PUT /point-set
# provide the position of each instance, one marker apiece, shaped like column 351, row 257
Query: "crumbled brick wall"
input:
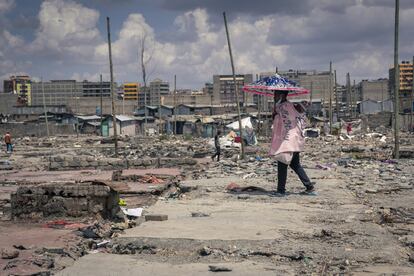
column 36, row 129
column 62, row 162
column 64, row 200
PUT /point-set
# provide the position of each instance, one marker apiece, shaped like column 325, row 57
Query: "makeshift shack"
column 126, row 125
column 249, row 135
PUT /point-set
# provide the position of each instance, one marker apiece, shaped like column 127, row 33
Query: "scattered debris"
column 199, row 214
column 132, row 212
column 9, row 253
column 215, row 268
column 156, row 217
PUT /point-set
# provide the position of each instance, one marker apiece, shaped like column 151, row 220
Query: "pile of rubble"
column 64, row 200
column 67, row 162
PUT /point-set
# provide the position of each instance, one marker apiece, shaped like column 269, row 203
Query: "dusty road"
column 360, row 223
column 255, row 233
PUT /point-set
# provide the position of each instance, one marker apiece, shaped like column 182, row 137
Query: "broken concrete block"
column 156, row 217
column 147, row 162
column 8, row 253
column 216, row 268
column 199, row 214
column 53, row 250
column 67, row 199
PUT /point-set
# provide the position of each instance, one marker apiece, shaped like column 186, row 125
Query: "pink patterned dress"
column 287, row 133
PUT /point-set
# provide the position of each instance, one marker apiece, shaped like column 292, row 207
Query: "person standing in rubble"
column 8, row 142
column 349, row 128
column 288, row 141
column 217, row 146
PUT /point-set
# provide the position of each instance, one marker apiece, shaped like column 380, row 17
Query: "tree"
column 145, row 60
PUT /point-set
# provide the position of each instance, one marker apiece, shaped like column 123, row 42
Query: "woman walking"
column 288, row 141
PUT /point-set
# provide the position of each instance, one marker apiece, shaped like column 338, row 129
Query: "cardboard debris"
column 132, row 212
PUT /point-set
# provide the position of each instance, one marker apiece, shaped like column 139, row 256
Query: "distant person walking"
column 349, row 128
column 288, row 141
column 8, row 142
column 217, row 146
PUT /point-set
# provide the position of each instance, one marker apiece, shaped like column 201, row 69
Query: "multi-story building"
column 188, row 99
column 406, row 83
column 157, row 90
column 224, row 89
column 55, row 92
column 131, row 91
column 63, row 92
column 208, row 88
column 376, row 90
column 94, row 89
column 21, row 86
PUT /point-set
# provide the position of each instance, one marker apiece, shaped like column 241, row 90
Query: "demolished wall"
column 64, row 200
column 36, row 129
column 65, row 162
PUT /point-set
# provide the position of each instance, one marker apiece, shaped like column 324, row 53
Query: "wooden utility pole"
column 101, row 112
column 144, row 79
column 112, row 86
column 412, row 101
column 44, row 109
column 396, row 83
column 348, row 96
column 330, row 98
column 311, row 95
column 76, row 108
column 159, row 111
column 259, row 110
column 354, row 100
column 145, row 110
column 336, row 98
column 235, row 86
column 175, row 104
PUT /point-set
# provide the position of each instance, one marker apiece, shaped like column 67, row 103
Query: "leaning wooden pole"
column 396, row 83
column 336, row 98
column 112, row 87
column 348, row 90
column 354, row 100
column 101, row 112
column 45, row 112
column 330, row 98
column 412, row 101
column 175, row 104
column 311, row 101
column 235, row 86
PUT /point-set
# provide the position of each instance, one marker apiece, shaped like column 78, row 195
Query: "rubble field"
column 69, row 206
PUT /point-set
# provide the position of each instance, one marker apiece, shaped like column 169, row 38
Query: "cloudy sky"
column 62, row 39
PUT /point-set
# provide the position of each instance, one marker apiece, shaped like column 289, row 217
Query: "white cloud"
column 196, row 59
column 125, row 49
column 6, row 5
column 66, row 28
column 357, row 37
column 12, row 41
column 85, row 76
column 10, row 45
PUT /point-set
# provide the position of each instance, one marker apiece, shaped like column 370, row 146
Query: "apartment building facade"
column 131, row 91
column 21, row 86
column 376, row 90
column 406, row 85
column 224, row 89
column 64, row 92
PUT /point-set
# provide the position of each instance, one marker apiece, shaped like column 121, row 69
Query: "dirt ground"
column 359, row 223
